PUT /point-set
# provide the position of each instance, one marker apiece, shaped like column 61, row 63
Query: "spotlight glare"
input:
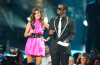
column 83, row 48
column 85, row 23
column 28, row 18
column 46, row 19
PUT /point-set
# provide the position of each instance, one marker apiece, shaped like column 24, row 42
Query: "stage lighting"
column 46, row 19
column 85, row 23
column 28, row 18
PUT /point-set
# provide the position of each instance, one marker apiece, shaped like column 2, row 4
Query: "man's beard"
column 60, row 14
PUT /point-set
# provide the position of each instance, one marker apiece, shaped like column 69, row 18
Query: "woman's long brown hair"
column 32, row 17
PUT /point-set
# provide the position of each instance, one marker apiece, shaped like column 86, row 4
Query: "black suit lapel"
column 63, row 23
column 56, row 24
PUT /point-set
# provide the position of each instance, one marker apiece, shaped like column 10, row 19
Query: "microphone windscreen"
column 33, row 27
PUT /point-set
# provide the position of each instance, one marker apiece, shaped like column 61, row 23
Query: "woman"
column 34, row 30
column 71, row 60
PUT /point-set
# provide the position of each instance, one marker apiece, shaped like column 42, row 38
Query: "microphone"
column 33, row 27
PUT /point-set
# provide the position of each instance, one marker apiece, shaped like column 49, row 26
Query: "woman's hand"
column 31, row 31
column 45, row 40
column 42, row 38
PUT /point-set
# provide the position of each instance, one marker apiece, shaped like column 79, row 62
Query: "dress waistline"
column 35, row 35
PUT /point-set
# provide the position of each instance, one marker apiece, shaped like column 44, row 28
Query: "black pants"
column 93, row 38
column 90, row 41
column 60, row 56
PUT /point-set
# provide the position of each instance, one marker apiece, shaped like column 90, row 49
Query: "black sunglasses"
column 59, row 8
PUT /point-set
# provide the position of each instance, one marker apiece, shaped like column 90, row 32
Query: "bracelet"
column 27, row 34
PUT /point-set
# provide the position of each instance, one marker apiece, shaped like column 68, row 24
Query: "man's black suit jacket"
column 67, row 35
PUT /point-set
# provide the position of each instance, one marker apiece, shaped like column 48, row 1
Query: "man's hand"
column 64, row 42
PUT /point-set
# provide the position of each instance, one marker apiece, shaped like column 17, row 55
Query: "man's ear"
column 65, row 11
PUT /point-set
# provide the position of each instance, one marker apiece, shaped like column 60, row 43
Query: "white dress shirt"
column 45, row 60
column 59, row 28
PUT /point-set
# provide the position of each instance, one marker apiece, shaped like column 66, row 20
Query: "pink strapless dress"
column 35, row 46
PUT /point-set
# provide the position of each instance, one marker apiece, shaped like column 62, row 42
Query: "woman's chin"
column 37, row 18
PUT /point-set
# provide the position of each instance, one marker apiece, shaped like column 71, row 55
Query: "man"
column 71, row 60
column 93, row 55
column 97, row 61
column 47, row 59
column 93, row 20
column 84, row 59
column 62, row 28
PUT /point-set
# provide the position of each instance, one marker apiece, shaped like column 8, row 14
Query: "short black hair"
column 65, row 7
column 85, row 55
column 95, row 50
column 46, row 44
column 76, row 55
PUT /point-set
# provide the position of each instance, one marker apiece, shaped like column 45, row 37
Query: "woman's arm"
column 27, row 33
column 49, row 35
column 46, row 25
